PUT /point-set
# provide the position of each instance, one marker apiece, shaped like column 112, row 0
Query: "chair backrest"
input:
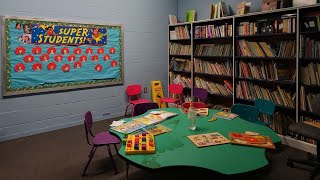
column 264, row 106
column 133, row 91
column 315, row 104
column 201, row 94
column 195, row 105
column 141, row 108
column 88, row 125
column 175, row 89
column 246, row 112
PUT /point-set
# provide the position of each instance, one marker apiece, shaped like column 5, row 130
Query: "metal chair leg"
column 93, row 150
column 115, row 146
column 111, row 157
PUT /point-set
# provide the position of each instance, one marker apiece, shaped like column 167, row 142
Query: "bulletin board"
column 43, row 55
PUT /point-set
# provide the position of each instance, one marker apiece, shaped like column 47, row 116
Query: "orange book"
column 229, row 85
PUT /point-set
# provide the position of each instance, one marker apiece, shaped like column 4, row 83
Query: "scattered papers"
column 226, row 115
column 117, row 123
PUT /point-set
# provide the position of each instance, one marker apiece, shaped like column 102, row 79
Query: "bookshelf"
column 274, row 56
column 180, row 53
column 309, row 62
column 213, row 59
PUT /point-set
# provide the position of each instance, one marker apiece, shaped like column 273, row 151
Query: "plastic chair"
column 100, row 139
column 195, row 104
column 265, row 107
column 310, row 132
column 174, row 90
column 246, row 112
column 200, row 94
column 144, row 107
column 133, row 91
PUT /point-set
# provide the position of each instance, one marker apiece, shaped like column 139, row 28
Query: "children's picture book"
column 153, row 117
column 209, row 139
column 226, row 115
column 129, row 127
column 157, row 129
column 251, row 140
column 173, row 19
column 202, row 111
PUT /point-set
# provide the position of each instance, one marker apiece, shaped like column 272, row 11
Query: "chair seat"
column 139, row 101
column 169, row 100
column 306, row 130
column 104, row 138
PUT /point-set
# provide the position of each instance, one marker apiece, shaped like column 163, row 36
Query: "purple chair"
column 100, row 139
column 201, row 94
column 144, row 107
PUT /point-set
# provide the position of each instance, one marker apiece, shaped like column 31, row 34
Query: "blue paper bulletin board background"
column 43, row 56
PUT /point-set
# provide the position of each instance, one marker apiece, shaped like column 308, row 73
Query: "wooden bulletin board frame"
column 34, row 60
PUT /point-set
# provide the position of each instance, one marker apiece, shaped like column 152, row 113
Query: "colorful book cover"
column 157, row 129
column 226, row 115
column 251, row 140
column 129, row 127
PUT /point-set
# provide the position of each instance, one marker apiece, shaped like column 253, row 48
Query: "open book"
column 226, row 115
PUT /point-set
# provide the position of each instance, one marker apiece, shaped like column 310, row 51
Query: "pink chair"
column 133, row 92
column 100, row 139
column 175, row 90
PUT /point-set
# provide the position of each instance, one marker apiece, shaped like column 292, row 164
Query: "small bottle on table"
column 192, row 117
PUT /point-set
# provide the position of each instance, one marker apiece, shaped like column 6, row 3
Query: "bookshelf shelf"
column 309, row 114
column 220, row 95
column 309, row 60
column 181, row 56
column 182, row 72
column 266, row 58
column 276, row 82
column 312, row 86
column 310, row 33
column 213, row 57
column 212, row 39
column 278, row 107
column 180, row 40
column 213, row 75
column 277, row 35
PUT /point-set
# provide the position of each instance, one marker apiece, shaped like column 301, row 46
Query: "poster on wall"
column 43, row 56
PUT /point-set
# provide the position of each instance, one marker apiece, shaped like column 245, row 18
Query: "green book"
column 191, row 15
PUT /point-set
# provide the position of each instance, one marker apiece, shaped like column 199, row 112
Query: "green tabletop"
column 175, row 149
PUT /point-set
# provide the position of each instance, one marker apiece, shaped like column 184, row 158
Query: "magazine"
column 226, row 115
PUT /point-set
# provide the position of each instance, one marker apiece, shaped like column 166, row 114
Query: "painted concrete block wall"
column 203, row 9
column 145, row 59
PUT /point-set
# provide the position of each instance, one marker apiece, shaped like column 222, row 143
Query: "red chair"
column 195, row 104
column 100, row 139
column 133, row 92
column 174, row 90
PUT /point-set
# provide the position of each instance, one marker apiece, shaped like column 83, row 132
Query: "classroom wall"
column 145, row 59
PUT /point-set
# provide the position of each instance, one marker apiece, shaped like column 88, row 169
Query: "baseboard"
column 304, row 146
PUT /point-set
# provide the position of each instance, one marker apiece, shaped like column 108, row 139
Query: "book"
column 157, row 129
column 208, row 139
column 251, row 140
column 173, row 19
column 225, row 115
column 191, row 15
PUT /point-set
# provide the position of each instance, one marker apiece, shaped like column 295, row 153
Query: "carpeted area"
column 62, row 154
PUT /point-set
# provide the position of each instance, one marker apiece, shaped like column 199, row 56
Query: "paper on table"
column 117, row 123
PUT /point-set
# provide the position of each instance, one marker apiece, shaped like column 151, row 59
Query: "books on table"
column 225, row 115
column 251, row 140
column 153, row 117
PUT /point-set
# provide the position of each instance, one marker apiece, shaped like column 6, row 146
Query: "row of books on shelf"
column 266, row 71
column 218, row 10
column 263, row 49
column 306, row 99
column 180, row 32
column 310, row 74
column 213, row 50
column 213, row 31
column 214, row 88
column 285, row 24
column 179, row 64
column 250, row 91
column 309, row 48
column 179, row 49
column 213, row 67
column 281, row 122
column 180, row 79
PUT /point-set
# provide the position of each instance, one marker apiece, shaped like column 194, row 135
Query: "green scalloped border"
column 57, row 85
